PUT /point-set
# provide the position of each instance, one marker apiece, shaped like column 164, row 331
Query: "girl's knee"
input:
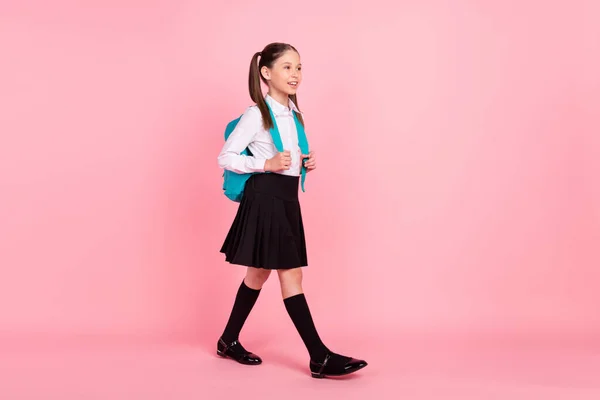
column 256, row 277
column 290, row 281
column 290, row 276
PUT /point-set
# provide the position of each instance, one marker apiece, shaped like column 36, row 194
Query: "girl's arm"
column 243, row 134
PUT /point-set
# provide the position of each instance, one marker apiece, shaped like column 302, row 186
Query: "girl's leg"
column 297, row 307
column 245, row 299
column 323, row 362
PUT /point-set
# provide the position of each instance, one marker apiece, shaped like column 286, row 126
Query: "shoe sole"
column 221, row 354
column 316, row 375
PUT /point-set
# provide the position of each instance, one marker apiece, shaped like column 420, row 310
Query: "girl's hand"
column 280, row 162
column 311, row 162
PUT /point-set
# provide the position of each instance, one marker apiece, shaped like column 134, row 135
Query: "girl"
column 267, row 232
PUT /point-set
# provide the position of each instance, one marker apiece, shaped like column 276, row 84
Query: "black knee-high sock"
column 244, row 301
column 297, row 308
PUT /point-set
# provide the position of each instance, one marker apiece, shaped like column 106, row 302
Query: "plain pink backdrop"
column 458, row 185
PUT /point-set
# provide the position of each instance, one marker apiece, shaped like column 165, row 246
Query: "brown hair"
column 268, row 56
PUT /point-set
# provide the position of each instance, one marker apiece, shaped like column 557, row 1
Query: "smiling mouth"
column 293, row 84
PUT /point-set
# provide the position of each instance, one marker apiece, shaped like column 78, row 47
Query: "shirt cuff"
column 259, row 164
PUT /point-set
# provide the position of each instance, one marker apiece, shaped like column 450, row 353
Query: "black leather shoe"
column 335, row 365
column 236, row 351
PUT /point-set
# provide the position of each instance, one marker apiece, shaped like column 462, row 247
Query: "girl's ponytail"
column 256, row 94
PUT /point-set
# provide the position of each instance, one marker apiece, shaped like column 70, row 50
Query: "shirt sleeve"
column 239, row 139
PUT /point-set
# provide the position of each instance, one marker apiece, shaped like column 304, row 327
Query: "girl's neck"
column 280, row 97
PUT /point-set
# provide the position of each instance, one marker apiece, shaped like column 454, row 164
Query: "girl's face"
column 286, row 74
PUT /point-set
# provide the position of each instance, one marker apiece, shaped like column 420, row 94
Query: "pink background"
column 457, row 191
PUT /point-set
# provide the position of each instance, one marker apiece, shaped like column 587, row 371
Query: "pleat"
column 267, row 231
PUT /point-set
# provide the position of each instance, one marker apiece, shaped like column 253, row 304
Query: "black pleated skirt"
column 267, row 231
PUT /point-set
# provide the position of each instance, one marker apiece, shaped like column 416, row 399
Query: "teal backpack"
column 234, row 183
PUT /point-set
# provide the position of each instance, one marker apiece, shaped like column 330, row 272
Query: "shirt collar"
column 280, row 109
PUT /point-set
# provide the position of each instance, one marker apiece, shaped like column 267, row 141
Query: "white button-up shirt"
column 249, row 132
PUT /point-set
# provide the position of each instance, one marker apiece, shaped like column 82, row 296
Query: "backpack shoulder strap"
column 275, row 131
column 303, row 143
column 302, row 140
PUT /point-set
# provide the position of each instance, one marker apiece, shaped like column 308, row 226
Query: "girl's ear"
column 264, row 71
